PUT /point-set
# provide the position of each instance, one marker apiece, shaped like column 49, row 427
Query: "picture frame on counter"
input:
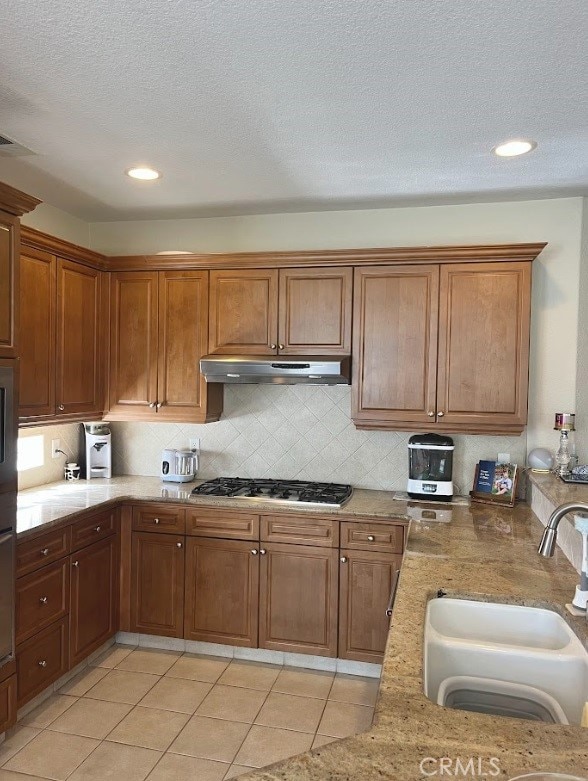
column 495, row 483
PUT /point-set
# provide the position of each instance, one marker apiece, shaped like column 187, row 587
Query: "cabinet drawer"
column 41, row 599
column 386, row 537
column 221, row 523
column 32, row 554
column 159, row 518
column 297, row 529
column 93, row 528
column 7, row 703
column 41, row 659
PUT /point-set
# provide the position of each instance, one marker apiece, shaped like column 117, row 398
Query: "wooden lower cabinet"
column 298, row 599
column 7, row 703
column 222, row 586
column 366, row 580
column 41, row 660
column 94, row 597
column 157, row 584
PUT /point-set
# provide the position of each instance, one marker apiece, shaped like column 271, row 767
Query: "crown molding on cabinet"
column 301, row 258
column 15, row 201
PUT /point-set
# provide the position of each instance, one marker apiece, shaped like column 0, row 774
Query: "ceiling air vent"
column 10, row 148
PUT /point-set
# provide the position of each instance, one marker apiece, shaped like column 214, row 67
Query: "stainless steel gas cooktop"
column 278, row 491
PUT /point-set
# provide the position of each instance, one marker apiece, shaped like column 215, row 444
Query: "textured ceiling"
column 276, row 105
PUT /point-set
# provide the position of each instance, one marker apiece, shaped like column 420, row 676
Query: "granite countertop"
column 53, row 503
column 484, row 552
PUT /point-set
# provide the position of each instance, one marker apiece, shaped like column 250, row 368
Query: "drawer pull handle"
column 262, row 551
column 75, row 563
column 254, row 551
column 98, row 529
column 42, row 663
column 43, row 600
column 390, row 605
column 156, row 521
column 344, row 559
column 45, row 552
column 178, row 544
column 371, row 537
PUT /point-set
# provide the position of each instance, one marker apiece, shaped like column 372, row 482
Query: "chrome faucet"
column 549, row 538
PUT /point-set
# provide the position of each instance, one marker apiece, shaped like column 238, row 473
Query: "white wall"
column 556, row 273
column 58, row 223
column 582, row 368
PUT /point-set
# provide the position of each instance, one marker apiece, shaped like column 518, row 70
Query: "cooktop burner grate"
column 282, row 491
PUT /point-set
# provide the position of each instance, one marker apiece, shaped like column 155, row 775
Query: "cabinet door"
column 315, row 311
column 484, row 345
column 182, row 392
column 395, row 345
column 133, row 344
column 366, row 580
column 222, row 585
column 298, row 599
column 78, row 333
column 157, row 584
column 37, row 333
column 7, row 703
column 243, row 312
column 9, row 274
column 94, row 592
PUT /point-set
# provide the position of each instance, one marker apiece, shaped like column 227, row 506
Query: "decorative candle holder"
column 564, row 423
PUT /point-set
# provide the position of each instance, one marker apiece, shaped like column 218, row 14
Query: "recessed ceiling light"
column 518, row 146
column 143, row 172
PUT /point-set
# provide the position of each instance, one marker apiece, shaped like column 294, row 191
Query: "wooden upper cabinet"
column 78, row 339
column 37, row 333
column 133, row 342
column 484, row 344
column 315, row 311
column 395, row 345
column 182, row 392
column 243, row 312
column 9, row 248
column 159, row 332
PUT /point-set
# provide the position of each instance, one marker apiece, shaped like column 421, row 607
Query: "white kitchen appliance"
column 430, row 466
column 97, row 451
column 179, row 466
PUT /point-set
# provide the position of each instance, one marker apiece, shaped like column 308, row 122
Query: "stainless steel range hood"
column 277, row 369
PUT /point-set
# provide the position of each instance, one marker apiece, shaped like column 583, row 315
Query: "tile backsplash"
column 295, row 431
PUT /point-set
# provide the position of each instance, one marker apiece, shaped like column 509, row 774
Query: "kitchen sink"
column 504, row 660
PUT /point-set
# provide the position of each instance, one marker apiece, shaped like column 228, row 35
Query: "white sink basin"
column 527, row 646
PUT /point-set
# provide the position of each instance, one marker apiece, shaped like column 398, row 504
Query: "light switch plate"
column 55, row 448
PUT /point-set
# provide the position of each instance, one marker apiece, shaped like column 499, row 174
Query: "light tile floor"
column 139, row 714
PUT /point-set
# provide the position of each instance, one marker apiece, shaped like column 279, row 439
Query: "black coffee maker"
column 430, row 466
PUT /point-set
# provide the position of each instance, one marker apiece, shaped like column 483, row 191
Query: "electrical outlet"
column 195, row 444
column 504, row 458
column 55, row 448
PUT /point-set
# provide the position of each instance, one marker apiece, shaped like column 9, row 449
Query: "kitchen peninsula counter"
column 485, row 552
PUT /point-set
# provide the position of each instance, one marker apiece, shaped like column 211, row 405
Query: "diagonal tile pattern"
column 161, row 716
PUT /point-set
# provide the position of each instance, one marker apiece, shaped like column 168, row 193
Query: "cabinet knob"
column 178, row 544
column 159, row 405
column 440, row 414
column 75, row 563
column 152, row 405
column 43, row 600
column 371, row 537
column 254, row 551
column 431, row 414
column 98, row 529
column 343, row 559
column 273, row 346
column 42, row 663
column 45, row 552
column 280, row 347
column 263, row 551
column 61, row 407
column 156, row 521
